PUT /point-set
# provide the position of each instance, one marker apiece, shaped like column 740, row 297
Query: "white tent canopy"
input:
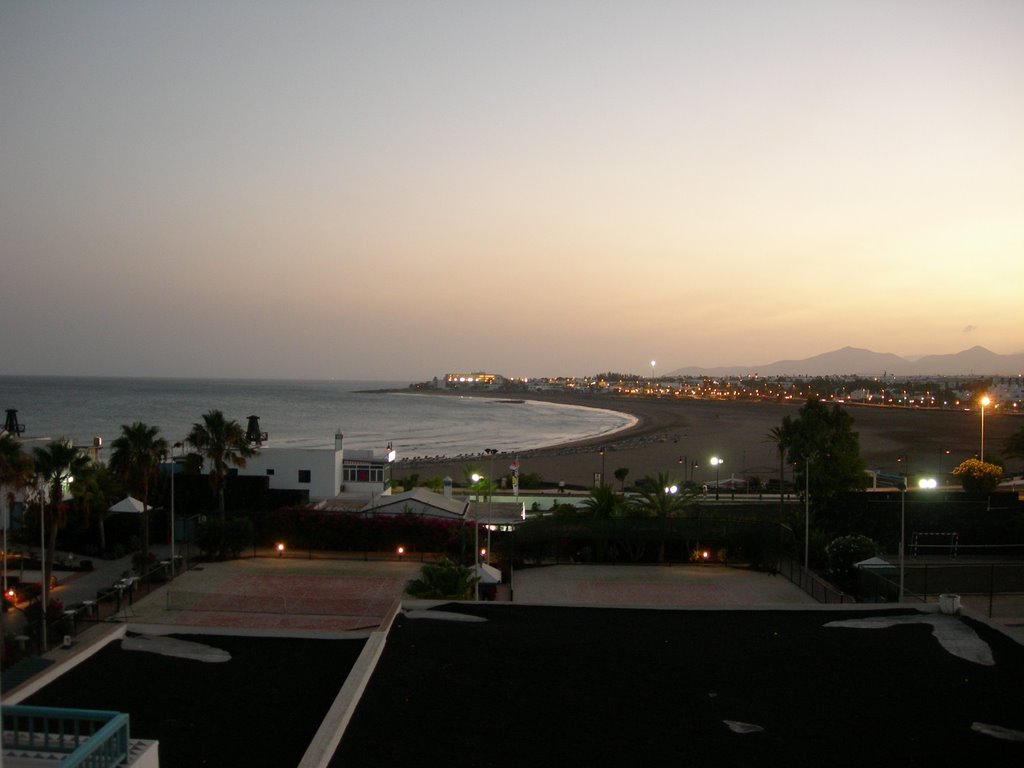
column 488, row 574
column 128, row 504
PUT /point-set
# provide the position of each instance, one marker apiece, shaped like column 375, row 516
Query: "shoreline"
column 672, row 435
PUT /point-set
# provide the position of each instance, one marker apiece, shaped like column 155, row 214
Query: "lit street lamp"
column 903, row 530
column 984, row 401
column 717, row 463
column 476, row 478
column 925, row 483
column 490, row 498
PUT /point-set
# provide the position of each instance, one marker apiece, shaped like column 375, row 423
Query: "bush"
column 978, row 475
column 445, row 580
column 844, row 552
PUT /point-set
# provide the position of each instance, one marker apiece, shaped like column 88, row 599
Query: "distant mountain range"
column 976, row 361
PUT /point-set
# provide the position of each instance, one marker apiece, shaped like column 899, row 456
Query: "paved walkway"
column 280, row 594
column 654, row 586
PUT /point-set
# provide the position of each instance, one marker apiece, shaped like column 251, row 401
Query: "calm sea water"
column 298, row 413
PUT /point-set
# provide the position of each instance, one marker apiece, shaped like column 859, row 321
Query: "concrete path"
column 654, row 586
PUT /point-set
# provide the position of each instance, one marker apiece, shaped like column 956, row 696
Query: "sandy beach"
column 672, row 434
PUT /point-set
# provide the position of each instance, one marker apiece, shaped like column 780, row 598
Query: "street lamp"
column 807, row 513
column 984, row 401
column 43, row 582
column 903, row 530
column 717, row 463
column 601, row 451
column 174, row 466
column 925, row 483
column 476, row 477
column 490, row 498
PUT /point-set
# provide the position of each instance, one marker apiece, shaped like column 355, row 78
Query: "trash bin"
column 949, row 604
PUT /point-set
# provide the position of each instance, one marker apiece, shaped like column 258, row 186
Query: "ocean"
column 301, row 414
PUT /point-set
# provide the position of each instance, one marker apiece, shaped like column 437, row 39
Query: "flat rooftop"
column 598, row 665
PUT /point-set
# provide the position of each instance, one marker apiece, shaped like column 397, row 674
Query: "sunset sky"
column 395, row 190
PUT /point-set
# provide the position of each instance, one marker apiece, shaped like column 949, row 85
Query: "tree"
column 662, row 498
column 15, row 471
column 136, row 458
column 822, row 440
column 658, row 499
column 222, row 443
column 620, row 475
column 976, row 475
column 603, row 502
column 92, row 491
column 56, row 465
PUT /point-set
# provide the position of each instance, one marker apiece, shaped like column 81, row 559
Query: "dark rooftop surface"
column 593, row 686
column 262, row 708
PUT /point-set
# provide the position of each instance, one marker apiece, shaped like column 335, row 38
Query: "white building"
column 324, row 472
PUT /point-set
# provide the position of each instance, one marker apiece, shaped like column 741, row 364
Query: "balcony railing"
column 79, row 737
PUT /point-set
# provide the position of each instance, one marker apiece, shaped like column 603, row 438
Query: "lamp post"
column 926, row 483
column 717, row 463
column 174, row 466
column 903, row 531
column 476, row 478
column 42, row 567
column 807, row 513
column 601, row 451
column 984, row 401
column 490, row 498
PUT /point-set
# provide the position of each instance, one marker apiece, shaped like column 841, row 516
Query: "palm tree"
column 221, row 442
column 135, row 459
column 603, row 502
column 661, row 497
column 15, row 468
column 15, row 476
column 92, row 491
column 56, row 465
column 620, row 475
column 656, row 497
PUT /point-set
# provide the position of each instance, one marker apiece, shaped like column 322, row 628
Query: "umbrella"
column 488, row 574
column 128, row 504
